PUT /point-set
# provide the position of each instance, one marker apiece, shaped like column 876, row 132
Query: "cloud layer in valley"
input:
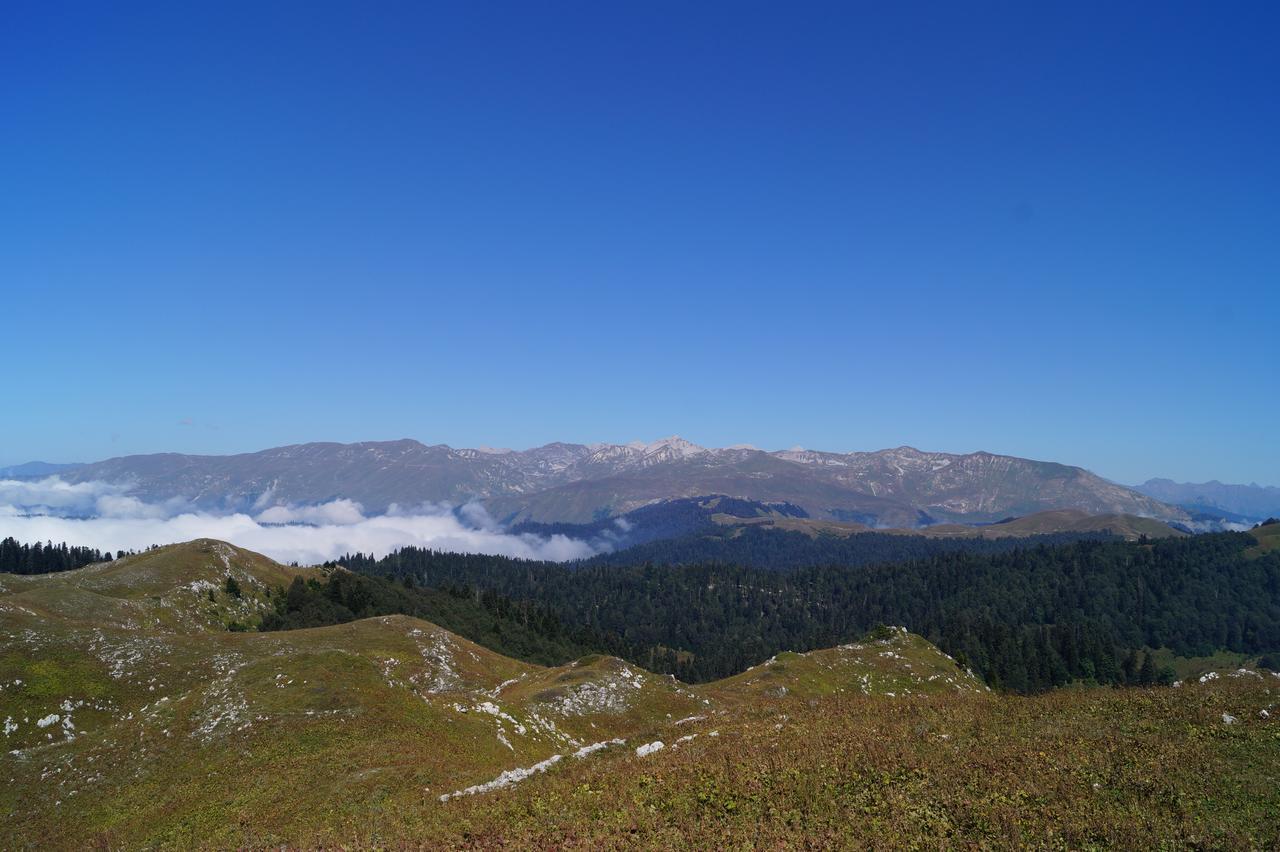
column 104, row 516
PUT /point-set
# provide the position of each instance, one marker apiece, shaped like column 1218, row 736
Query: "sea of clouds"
column 104, row 516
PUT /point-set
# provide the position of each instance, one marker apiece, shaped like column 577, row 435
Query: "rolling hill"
column 132, row 714
column 132, row 718
column 580, row 483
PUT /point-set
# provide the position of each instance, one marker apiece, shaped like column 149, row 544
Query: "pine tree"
column 1147, row 675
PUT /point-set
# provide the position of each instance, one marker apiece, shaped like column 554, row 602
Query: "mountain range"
column 1247, row 502
column 578, row 483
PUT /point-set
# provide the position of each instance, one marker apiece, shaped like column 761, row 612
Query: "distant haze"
column 1252, row 500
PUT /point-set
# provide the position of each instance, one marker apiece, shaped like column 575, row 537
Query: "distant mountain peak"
column 675, row 444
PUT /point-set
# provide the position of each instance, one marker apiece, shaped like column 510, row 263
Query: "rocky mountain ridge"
column 561, row 482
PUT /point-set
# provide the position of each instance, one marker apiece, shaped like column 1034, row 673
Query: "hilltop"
column 174, row 588
column 132, row 717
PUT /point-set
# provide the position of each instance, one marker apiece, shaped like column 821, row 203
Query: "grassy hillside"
column 180, row 587
column 889, row 661
column 1268, row 538
column 132, row 717
column 1096, row 768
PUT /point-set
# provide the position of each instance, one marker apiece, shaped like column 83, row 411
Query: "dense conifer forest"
column 525, row 630
column 1026, row 620
column 760, row 547
column 46, row 558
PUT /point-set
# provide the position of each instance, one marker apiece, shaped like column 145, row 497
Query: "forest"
column 762, row 547
column 16, row 558
column 1026, row 620
column 1026, row 615
column 525, row 630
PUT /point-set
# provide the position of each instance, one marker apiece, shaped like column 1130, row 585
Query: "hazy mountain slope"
column 130, row 720
column 35, row 469
column 1252, row 501
column 1042, row 523
column 376, row 474
column 757, row 476
column 1130, row 527
column 580, row 483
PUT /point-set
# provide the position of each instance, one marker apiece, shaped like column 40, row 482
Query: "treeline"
column 525, row 629
column 1026, row 620
column 16, row 558
column 761, row 547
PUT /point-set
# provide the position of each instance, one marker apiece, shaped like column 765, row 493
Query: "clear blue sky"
column 1047, row 232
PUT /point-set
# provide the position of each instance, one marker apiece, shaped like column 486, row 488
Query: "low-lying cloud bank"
column 104, row 516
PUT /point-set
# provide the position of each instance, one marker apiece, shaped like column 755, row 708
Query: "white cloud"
column 339, row 512
column 478, row 516
column 54, row 496
column 96, row 514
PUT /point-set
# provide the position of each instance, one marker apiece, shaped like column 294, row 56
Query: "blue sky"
column 1050, row 232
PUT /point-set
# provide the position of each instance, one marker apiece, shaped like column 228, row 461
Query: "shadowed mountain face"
column 901, row 487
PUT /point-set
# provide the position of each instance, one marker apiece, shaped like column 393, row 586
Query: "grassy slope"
column 166, row 588
column 895, row 664
column 1075, row 768
column 183, row 735
column 1268, row 538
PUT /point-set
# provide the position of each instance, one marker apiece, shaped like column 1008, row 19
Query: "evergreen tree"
column 1147, row 674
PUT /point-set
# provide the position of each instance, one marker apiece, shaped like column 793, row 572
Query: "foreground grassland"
column 1075, row 769
column 133, row 718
